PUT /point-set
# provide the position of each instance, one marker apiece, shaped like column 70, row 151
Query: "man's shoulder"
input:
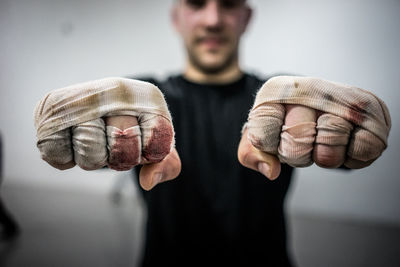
column 254, row 80
column 149, row 79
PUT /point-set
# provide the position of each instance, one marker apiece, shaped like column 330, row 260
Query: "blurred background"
column 72, row 218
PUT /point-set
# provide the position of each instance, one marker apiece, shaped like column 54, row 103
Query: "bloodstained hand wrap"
column 351, row 117
column 71, row 130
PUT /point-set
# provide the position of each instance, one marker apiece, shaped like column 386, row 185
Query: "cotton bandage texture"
column 351, row 117
column 70, row 128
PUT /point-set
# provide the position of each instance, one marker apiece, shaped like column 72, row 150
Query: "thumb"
column 250, row 157
column 165, row 170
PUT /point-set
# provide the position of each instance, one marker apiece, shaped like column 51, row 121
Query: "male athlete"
column 207, row 129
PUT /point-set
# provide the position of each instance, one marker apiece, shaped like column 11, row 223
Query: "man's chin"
column 213, row 66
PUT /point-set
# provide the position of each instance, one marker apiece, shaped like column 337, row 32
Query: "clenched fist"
column 114, row 121
column 296, row 120
column 304, row 120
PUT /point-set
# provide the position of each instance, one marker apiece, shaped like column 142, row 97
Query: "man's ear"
column 248, row 15
column 175, row 17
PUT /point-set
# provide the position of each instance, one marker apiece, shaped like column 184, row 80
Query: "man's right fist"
column 114, row 121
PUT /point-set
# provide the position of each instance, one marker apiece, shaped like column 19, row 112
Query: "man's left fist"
column 304, row 120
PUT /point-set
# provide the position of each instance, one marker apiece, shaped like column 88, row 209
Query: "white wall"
column 47, row 44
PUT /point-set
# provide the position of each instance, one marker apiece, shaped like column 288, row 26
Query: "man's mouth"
column 211, row 42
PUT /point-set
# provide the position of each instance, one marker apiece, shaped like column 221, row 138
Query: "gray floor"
column 319, row 241
column 64, row 228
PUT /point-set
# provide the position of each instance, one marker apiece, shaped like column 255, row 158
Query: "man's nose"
column 212, row 15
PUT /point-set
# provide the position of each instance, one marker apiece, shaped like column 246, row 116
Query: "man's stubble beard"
column 208, row 69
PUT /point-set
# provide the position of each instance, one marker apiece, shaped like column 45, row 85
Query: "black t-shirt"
column 216, row 211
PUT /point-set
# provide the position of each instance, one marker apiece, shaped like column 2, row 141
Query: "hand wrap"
column 70, row 128
column 351, row 117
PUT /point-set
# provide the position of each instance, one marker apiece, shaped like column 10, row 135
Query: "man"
column 218, row 211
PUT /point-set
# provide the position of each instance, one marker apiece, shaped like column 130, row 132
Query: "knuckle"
column 124, row 148
column 264, row 127
column 158, row 139
column 365, row 146
column 56, row 150
column 89, row 143
column 296, row 114
column 124, row 155
column 296, row 144
column 263, row 140
column 333, row 130
column 329, row 157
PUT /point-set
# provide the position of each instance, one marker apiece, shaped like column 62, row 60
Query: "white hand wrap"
column 70, row 128
column 350, row 114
